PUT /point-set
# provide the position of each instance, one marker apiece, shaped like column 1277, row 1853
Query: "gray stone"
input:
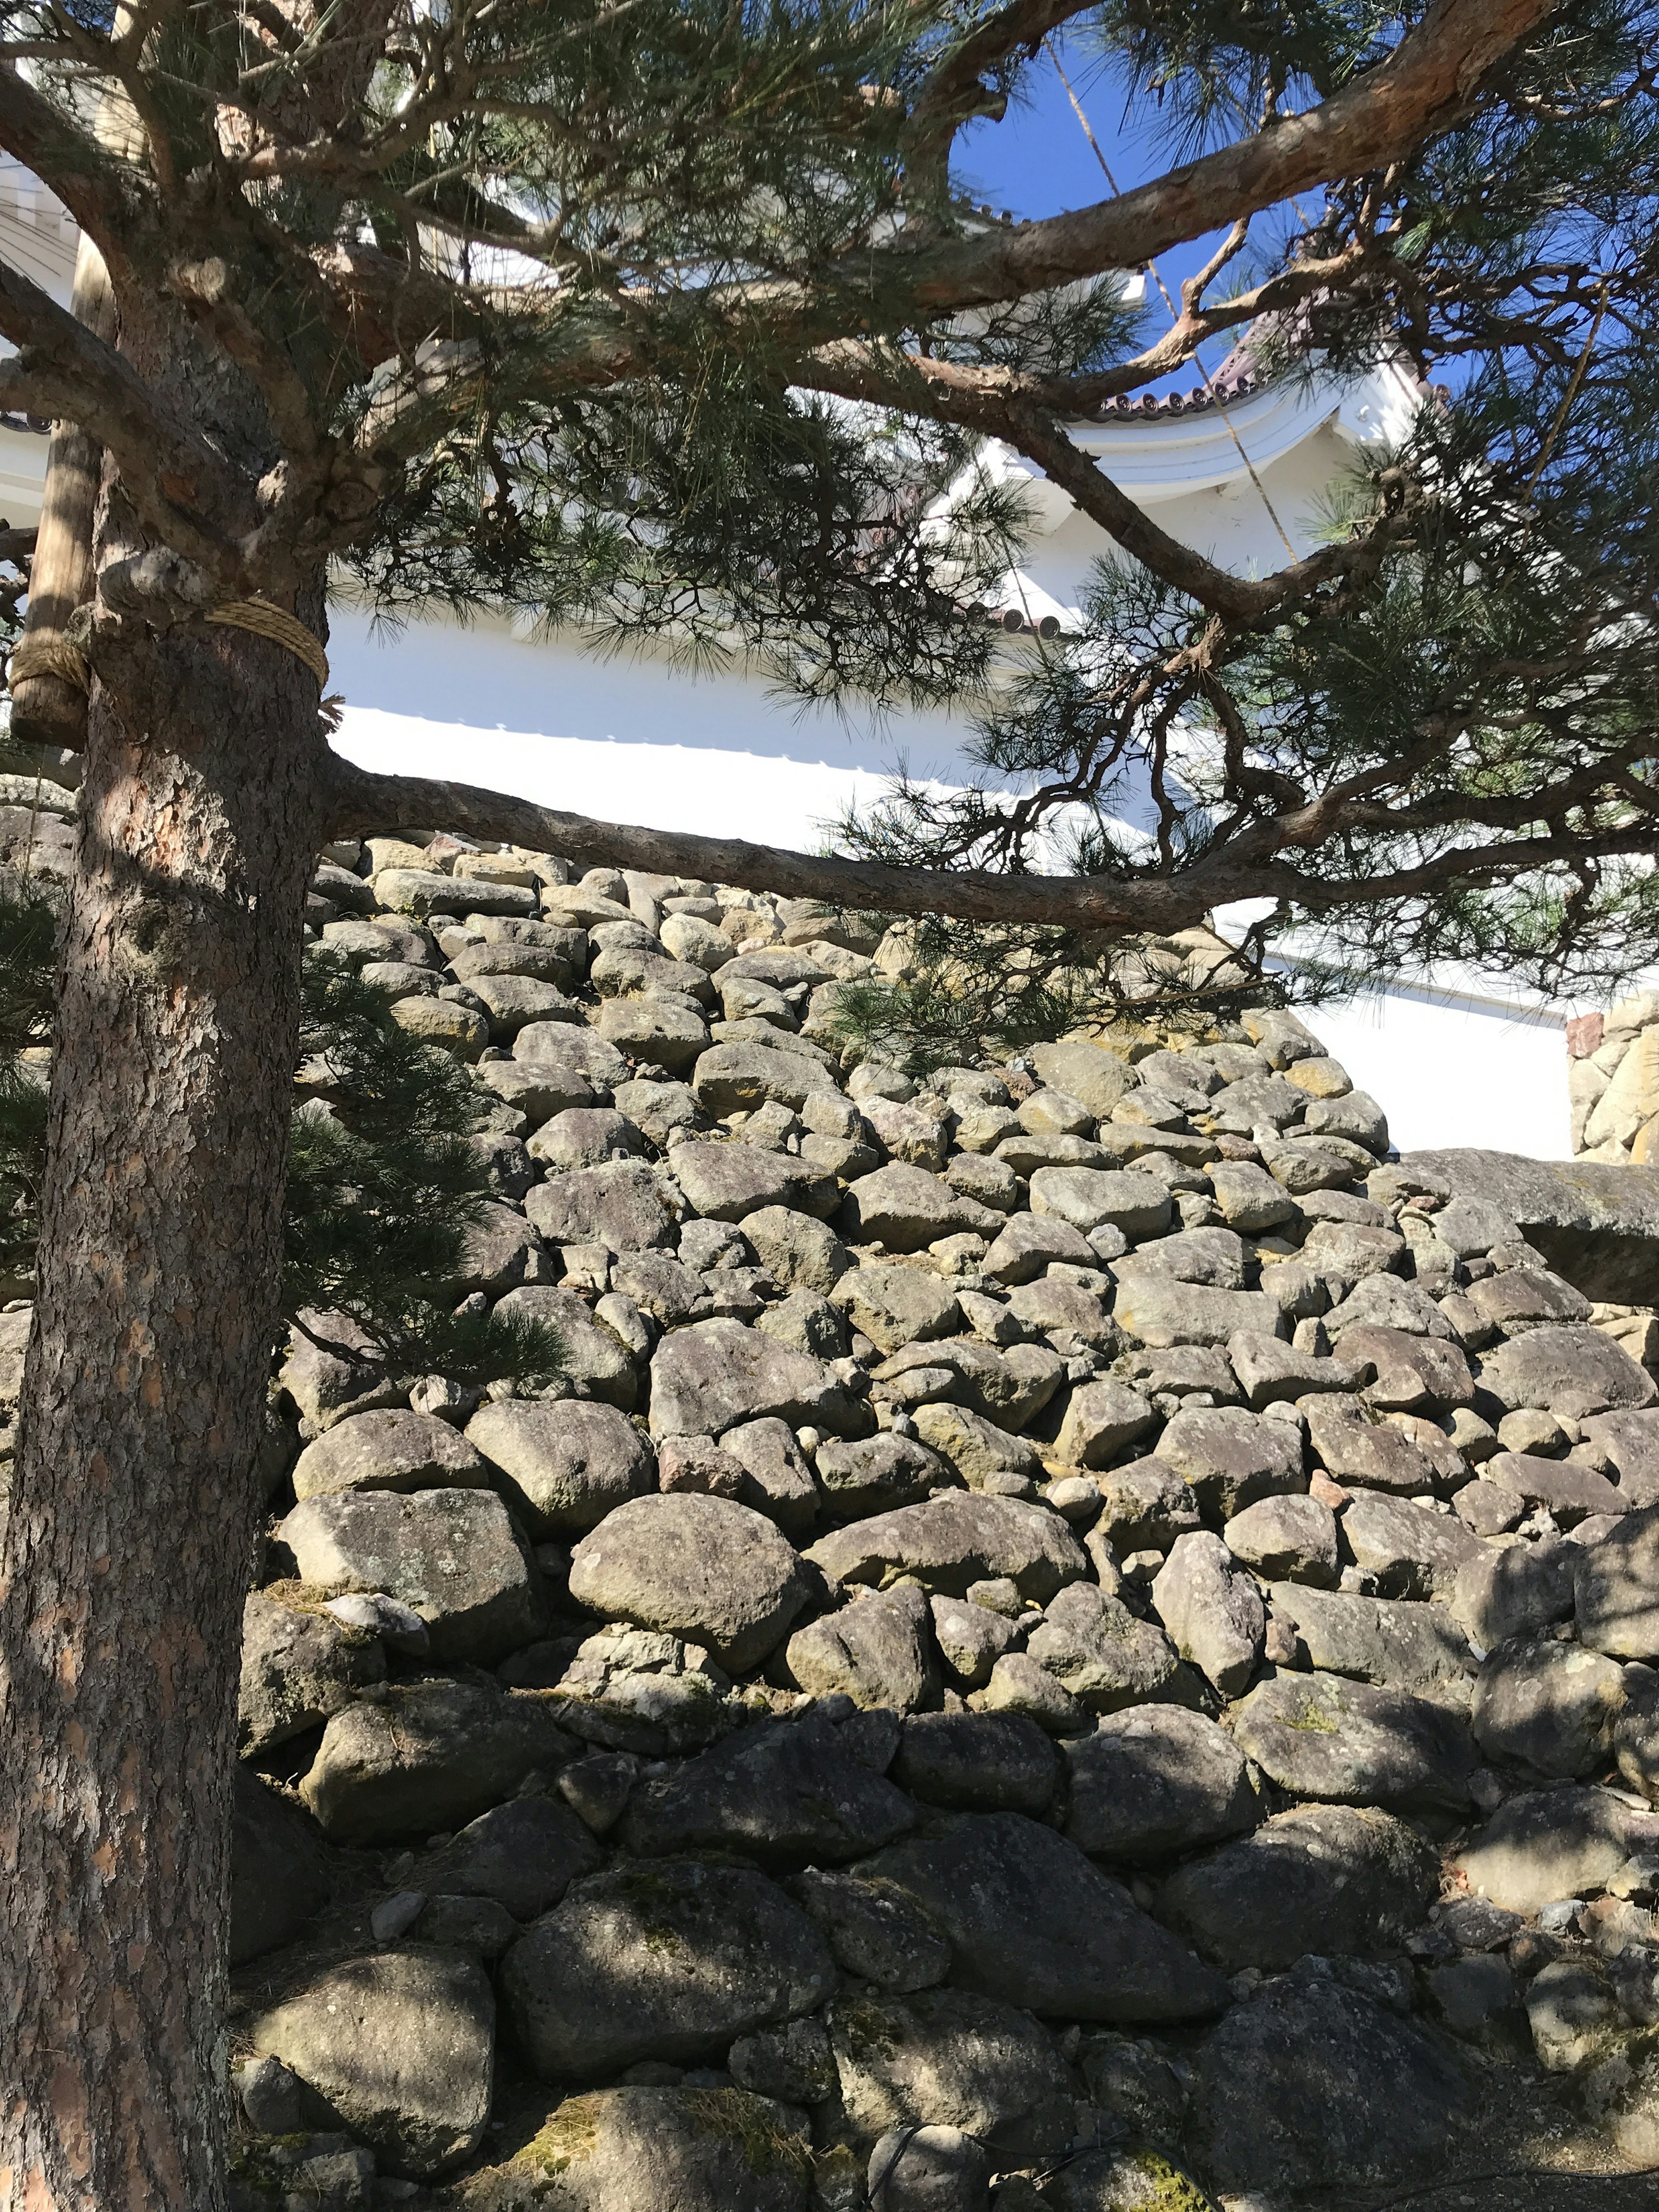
column 1545, row 1844
column 1630, row 1442
column 1021, row 1686
column 1385, row 1302
column 1616, row 1588
column 727, row 1182
column 1597, row 1225
column 958, row 2061
column 704, row 1568
column 1412, row 1552
column 388, row 1450
column 1337, row 1881
column 876, row 1475
column 1146, row 1506
column 623, row 1206
column 452, row 1555
column 1213, row 1612
column 1575, row 2016
column 1499, row 1594
column 1066, row 1311
column 427, row 1756
column 514, row 1002
column 1575, row 1371
column 740, row 1078
column 1107, row 1658
column 664, row 1288
column 894, row 1306
column 1139, row 1205
column 874, row 1929
column 1569, row 1490
column 717, row 1374
column 929, row 2169
column 1010, row 1387
column 1376, row 1455
column 1400, row 1372
column 1214, row 1258
column 1154, row 1781
column 1335, row 1740
column 1286, row 1539
column 273, row 2098
column 584, row 1137
column 1101, row 1418
column 421, row 892
column 1232, row 1458
column 1269, row 1369
column 990, row 1182
column 568, row 1460
column 627, row 2149
column 477, row 1924
column 977, row 1762
column 1520, row 1298
column 952, row 1541
column 669, row 1031
column 984, row 1456
column 1546, row 1706
column 1092, row 1073
column 795, row 1250
column 399, row 2049
column 279, row 1871
column 500, row 1250
column 789, row 1794
column 1310, row 2085
column 779, row 1481
column 1031, row 1921
column 1160, row 1312
column 667, row 1959
column 1027, row 1244
column 1475, row 1997
column 793, row 2063
column 523, row 1855
column 299, row 1665
column 640, row 1691
column 1249, row 1199
column 906, row 1209
column 1124, row 2179
column 806, row 1322
column 878, row 1651
column 971, row 1639
column 1396, row 1645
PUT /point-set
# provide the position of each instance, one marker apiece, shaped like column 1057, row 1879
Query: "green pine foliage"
column 382, row 1182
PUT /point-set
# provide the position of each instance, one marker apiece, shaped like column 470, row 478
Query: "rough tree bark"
column 126, row 1556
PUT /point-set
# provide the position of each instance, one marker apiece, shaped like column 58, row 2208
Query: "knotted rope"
column 48, row 652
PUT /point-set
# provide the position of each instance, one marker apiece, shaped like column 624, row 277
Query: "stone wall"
column 1612, row 1082
column 1076, row 1635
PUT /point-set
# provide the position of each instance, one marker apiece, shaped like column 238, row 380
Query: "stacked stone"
column 1613, row 1083
column 1066, row 1624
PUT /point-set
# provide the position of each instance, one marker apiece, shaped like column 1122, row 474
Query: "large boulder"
column 452, row 1555
column 399, row 2049
column 1413, row 1551
column 524, row 1854
column 425, row 1757
column 896, row 1305
column 1230, row 1458
column 1308, row 2085
column 1031, row 1921
column 789, row 1796
column 1597, row 1225
column 1212, row 1611
column 624, row 1205
column 952, row 1541
column 1334, row 1880
column 725, row 1181
column 1325, row 1737
column 388, row 1450
column 590, row 1355
column 1546, row 1706
column 977, row 1762
column 299, row 1665
column 943, row 2058
column 1577, row 1371
column 1154, row 1781
column 717, row 1374
column 1132, row 1201
column 707, row 1569
column 1545, row 1844
column 667, row 1959
column 879, row 1652
column 905, row 1208
column 1389, row 1641
column 1104, row 1656
column 1159, row 1311
column 567, row 1461
column 632, row 2150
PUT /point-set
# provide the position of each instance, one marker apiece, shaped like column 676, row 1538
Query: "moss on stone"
column 571, row 2135
column 732, row 2116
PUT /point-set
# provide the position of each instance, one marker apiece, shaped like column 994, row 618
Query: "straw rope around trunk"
column 50, row 653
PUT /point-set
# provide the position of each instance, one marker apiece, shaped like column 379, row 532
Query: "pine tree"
column 672, row 318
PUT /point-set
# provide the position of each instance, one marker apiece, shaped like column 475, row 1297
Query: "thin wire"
column 1506, row 2173
column 1152, row 271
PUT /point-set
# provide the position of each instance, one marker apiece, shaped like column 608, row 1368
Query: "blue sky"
column 1038, row 163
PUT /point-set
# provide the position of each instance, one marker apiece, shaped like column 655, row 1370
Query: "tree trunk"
column 125, row 1557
